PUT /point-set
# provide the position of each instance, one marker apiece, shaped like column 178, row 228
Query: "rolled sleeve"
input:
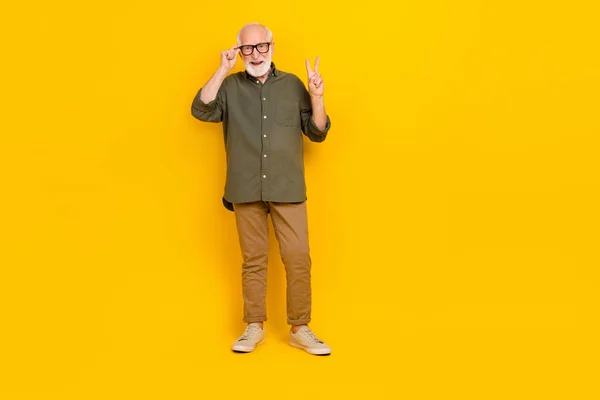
column 208, row 112
column 312, row 131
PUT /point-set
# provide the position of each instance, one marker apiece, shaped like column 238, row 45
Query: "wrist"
column 222, row 70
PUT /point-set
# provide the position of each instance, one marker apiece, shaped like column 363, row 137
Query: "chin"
column 258, row 71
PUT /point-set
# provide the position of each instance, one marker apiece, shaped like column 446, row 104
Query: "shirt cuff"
column 315, row 129
column 202, row 106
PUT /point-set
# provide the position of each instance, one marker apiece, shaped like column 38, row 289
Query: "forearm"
column 211, row 88
column 319, row 116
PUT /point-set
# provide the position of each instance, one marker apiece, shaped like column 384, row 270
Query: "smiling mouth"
column 256, row 63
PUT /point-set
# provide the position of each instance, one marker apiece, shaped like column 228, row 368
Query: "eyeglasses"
column 248, row 49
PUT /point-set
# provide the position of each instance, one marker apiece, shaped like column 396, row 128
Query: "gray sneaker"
column 252, row 337
column 306, row 340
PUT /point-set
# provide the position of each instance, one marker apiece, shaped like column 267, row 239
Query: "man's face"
column 256, row 63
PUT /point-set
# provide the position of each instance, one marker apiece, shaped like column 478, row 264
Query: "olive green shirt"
column 262, row 127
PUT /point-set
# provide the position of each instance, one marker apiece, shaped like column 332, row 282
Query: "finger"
column 308, row 67
column 319, row 82
column 317, row 64
column 232, row 52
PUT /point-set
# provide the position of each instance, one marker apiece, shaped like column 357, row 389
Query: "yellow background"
column 453, row 208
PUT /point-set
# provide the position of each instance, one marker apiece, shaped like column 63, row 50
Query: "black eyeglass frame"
column 255, row 46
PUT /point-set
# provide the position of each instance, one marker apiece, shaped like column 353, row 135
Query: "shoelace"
column 250, row 330
column 312, row 336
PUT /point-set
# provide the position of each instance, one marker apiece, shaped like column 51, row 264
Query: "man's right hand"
column 211, row 88
column 228, row 58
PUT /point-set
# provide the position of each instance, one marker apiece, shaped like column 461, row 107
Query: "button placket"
column 264, row 171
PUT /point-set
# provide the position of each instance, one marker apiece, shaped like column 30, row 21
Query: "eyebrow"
column 247, row 44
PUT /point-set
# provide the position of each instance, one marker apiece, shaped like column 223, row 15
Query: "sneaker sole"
column 246, row 349
column 315, row 352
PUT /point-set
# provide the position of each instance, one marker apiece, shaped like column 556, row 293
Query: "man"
column 264, row 112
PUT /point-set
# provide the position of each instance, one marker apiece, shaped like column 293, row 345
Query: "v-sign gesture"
column 316, row 86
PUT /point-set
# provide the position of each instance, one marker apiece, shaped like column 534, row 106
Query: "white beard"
column 260, row 70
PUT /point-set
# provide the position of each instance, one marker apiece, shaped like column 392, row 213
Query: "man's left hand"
column 316, row 86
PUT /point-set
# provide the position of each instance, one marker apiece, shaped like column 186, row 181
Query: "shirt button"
column 265, row 156
column 264, row 176
column 257, row 82
column 264, row 98
column 265, row 116
column 264, row 135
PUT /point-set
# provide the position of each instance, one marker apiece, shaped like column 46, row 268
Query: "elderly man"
column 264, row 112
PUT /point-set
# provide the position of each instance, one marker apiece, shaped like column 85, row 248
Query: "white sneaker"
column 252, row 337
column 306, row 340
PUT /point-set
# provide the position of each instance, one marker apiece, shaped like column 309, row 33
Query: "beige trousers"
column 291, row 230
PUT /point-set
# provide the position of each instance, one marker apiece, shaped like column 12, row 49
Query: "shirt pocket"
column 287, row 113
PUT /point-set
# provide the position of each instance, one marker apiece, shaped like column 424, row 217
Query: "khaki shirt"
column 262, row 127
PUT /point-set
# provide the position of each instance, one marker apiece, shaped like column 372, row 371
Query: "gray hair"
column 267, row 30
